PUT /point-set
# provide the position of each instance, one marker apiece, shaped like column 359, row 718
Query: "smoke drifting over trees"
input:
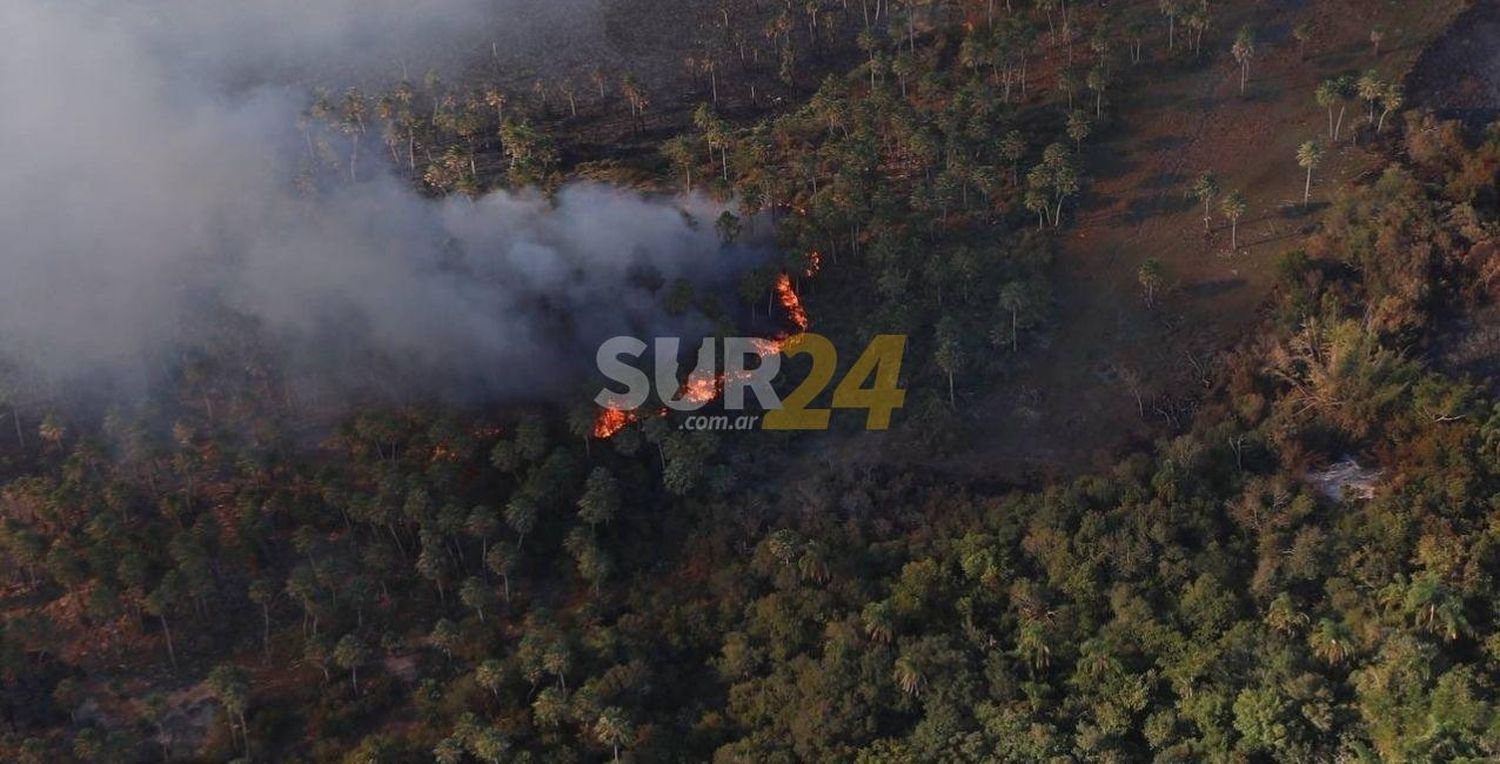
column 151, row 158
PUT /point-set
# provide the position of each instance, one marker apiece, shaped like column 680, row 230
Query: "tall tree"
column 1370, row 90
column 1013, row 299
column 1206, row 189
column 1244, row 50
column 1150, row 276
column 1079, row 128
column 1013, row 148
column 1309, row 155
column 231, row 687
column 1303, row 34
column 1233, row 206
column 349, row 654
column 613, row 729
column 1170, row 9
column 601, row 498
column 1098, row 81
column 1391, row 100
column 949, row 355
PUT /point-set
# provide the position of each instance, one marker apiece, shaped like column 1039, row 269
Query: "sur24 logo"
column 872, row 383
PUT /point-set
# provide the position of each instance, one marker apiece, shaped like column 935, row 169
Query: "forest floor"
column 1115, row 372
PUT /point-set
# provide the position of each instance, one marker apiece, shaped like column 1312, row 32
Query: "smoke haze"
column 149, row 151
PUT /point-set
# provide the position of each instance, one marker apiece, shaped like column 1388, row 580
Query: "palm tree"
column 1233, row 206
column 1327, row 96
column 813, row 564
column 635, row 94
column 1197, row 23
column 502, row 562
column 1370, row 90
column 1135, row 29
column 352, row 113
column 475, row 594
column 1435, row 607
column 231, row 687
column 160, row 603
column 908, row 676
column 1205, row 189
column 949, row 355
column 1344, row 88
column 1302, row 33
column 520, row 515
column 349, row 654
column 1244, row 50
column 868, row 42
column 1331, row 641
column 1060, row 175
column 1079, row 128
column 1098, row 81
column 1308, row 156
column 879, row 621
column 1032, row 644
column 601, row 497
column 550, row 708
column 1150, row 277
column 1013, row 147
column 1283, row 615
column 903, row 66
column 613, row 729
column 1170, row 9
column 716, row 132
column 680, row 152
column 557, row 659
column 1013, row 297
column 1048, row 6
column 1391, row 100
column 490, row 675
column 1067, row 84
column 262, row 592
column 1036, row 201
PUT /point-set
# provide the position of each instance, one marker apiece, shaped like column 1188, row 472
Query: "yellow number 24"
column 880, row 364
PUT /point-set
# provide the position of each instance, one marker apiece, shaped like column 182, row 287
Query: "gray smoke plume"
column 147, row 165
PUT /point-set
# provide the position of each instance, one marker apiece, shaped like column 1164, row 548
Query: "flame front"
column 791, row 302
column 611, row 421
column 699, row 388
column 704, row 388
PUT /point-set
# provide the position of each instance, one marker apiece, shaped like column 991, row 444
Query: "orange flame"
column 699, row 388
column 611, row 421
column 704, row 388
column 791, row 302
column 769, row 346
column 814, row 263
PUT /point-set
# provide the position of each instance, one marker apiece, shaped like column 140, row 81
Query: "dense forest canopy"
column 243, row 556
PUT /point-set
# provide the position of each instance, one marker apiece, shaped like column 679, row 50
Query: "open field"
column 1076, row 401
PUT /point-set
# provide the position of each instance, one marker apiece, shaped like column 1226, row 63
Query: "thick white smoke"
column 147, row 153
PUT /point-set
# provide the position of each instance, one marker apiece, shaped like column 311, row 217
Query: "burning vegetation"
column 791, row 302
column 705, row 388
column 611, row 421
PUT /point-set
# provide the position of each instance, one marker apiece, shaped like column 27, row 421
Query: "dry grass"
column 1076, row 404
